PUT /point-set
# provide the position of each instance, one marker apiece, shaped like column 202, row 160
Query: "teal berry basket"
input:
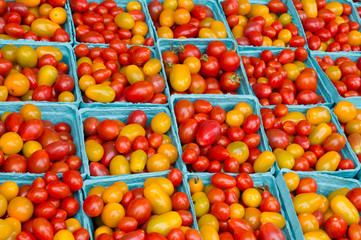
column 346, row 152
column 123, row 5
column 122, row 115
column 68, row 58
column 168, row 44
column 217, row 15
column 258, row 180
column 133, row 181
column 83, row 104
column 55, row 114
column 321, row 89
column 227, row 103
column 325, row 185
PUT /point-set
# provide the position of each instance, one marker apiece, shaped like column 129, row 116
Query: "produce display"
column 115, row 148
column 34, row 20
column 234, row 208
column 213, row 72
column 46, row 208
column 180, row 120
column 186, row 19
column 31, row 144
column 262, row 25
column 283, row 78
column 29, row 74
column 154, row 210
column 105, row 21
column 324, row 211
column 217, row 140
column 343, row 73
column 329, row 25
column 120, row 74
column 305, row 140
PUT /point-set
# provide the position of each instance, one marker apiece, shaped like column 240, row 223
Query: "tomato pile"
column 233, row 208
column 27, row 74
column 33, row 19
column 350, row 121
column 184, row 19
column 282, row 78
column 261, row 25
column 115, row 148
column 103, row 22
column 154, row 211
column 328, row 26
column 215, row 140
column 105, row 73
column 44, row 209
column 304, row 142
column 343, row 73
column 190, row 71
column 29, row 144
column 325, row 217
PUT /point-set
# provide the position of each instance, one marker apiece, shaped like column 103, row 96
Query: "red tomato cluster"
column 216, row 140
column 119, row 74
column 260, row 25
column 328, row 26
column 34, row 145
column 232, row 208
column 44, row 209
column 343, row 73
column 337, row 214
column 283, row 78
column 136, row 214
column 103, row 22
column 305, row 142
column 188, row 70
column 131, row 147
column 27, row 74
column 184, row 19
column 34, row 20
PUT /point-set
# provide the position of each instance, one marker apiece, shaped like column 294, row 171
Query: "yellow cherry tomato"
column 341, row 206
column 44, row 9
column 11, row 143
column 122, row 186
column 245, row 108
column 295, row 117
column 124, row 20
column 285, row 35
column 353, row 126
column 3, row 93
column 168, row 150
column 273, row 217
column 180, row 77
column 238, row 150
column 234, row 118
column 334, row 73
column 166, row 18
column 98, row 190
column 3, row 205
column 308, row 222
column 119, row 165
column 140, row 28
column 285, row 19
column 209, row 219
column 251, row 197
column 131, row 131
column 310, row 7
column 163, row 182
column 112, row 194
column 296, row 150
column 134, row 5
column 317, row 115
column 9, row 190
column 244, row 7
column 193, row 63
column 94, row 150
column 301, row 66
column 257, row 10
column 134, row 74
column 47, row 75
column 269, row 18
column 30, row 111
column 164, row 223
column 32, row 3
column 100, row 93
column 170, row 4
column 21, row 208
column 195, row 185
column 207, row 33
column 72, row 224
column 58, row 15
column 219, row 29
column 264, row 162
column 6, row 229
column 64, row 234
column 345, row 111
column 317, row 235
column 164, row 32
column 237, row 31
column 253, row 217
column 355, row 142
column 158, row 163
column 307, row 202
column 153, row 66
column 158, row 198
column 138, row 160
column 208, row 232
column 292, row 180
column 292, row 71
column 181, row 16
column 15, row 224
column 325, row 204
column 201, row 203
column 66, row 96
column 112, row 214
column 42, row 50
column 42, row 26
column 26, row 57
column 86, row 81
column 278, row 43
column 353, row 38
column 187, row 4
column 328, row 162
column 206, row 23
column 335, row 7
column 333, row 194
column 284, row 159
column 237, row 210
column 161, row 123
column 319, row 133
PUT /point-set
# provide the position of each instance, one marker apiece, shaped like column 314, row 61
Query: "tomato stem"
column 180, row 48
column 265, row 187
column 235, row 78
column 204, row 57
column 168, row 64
